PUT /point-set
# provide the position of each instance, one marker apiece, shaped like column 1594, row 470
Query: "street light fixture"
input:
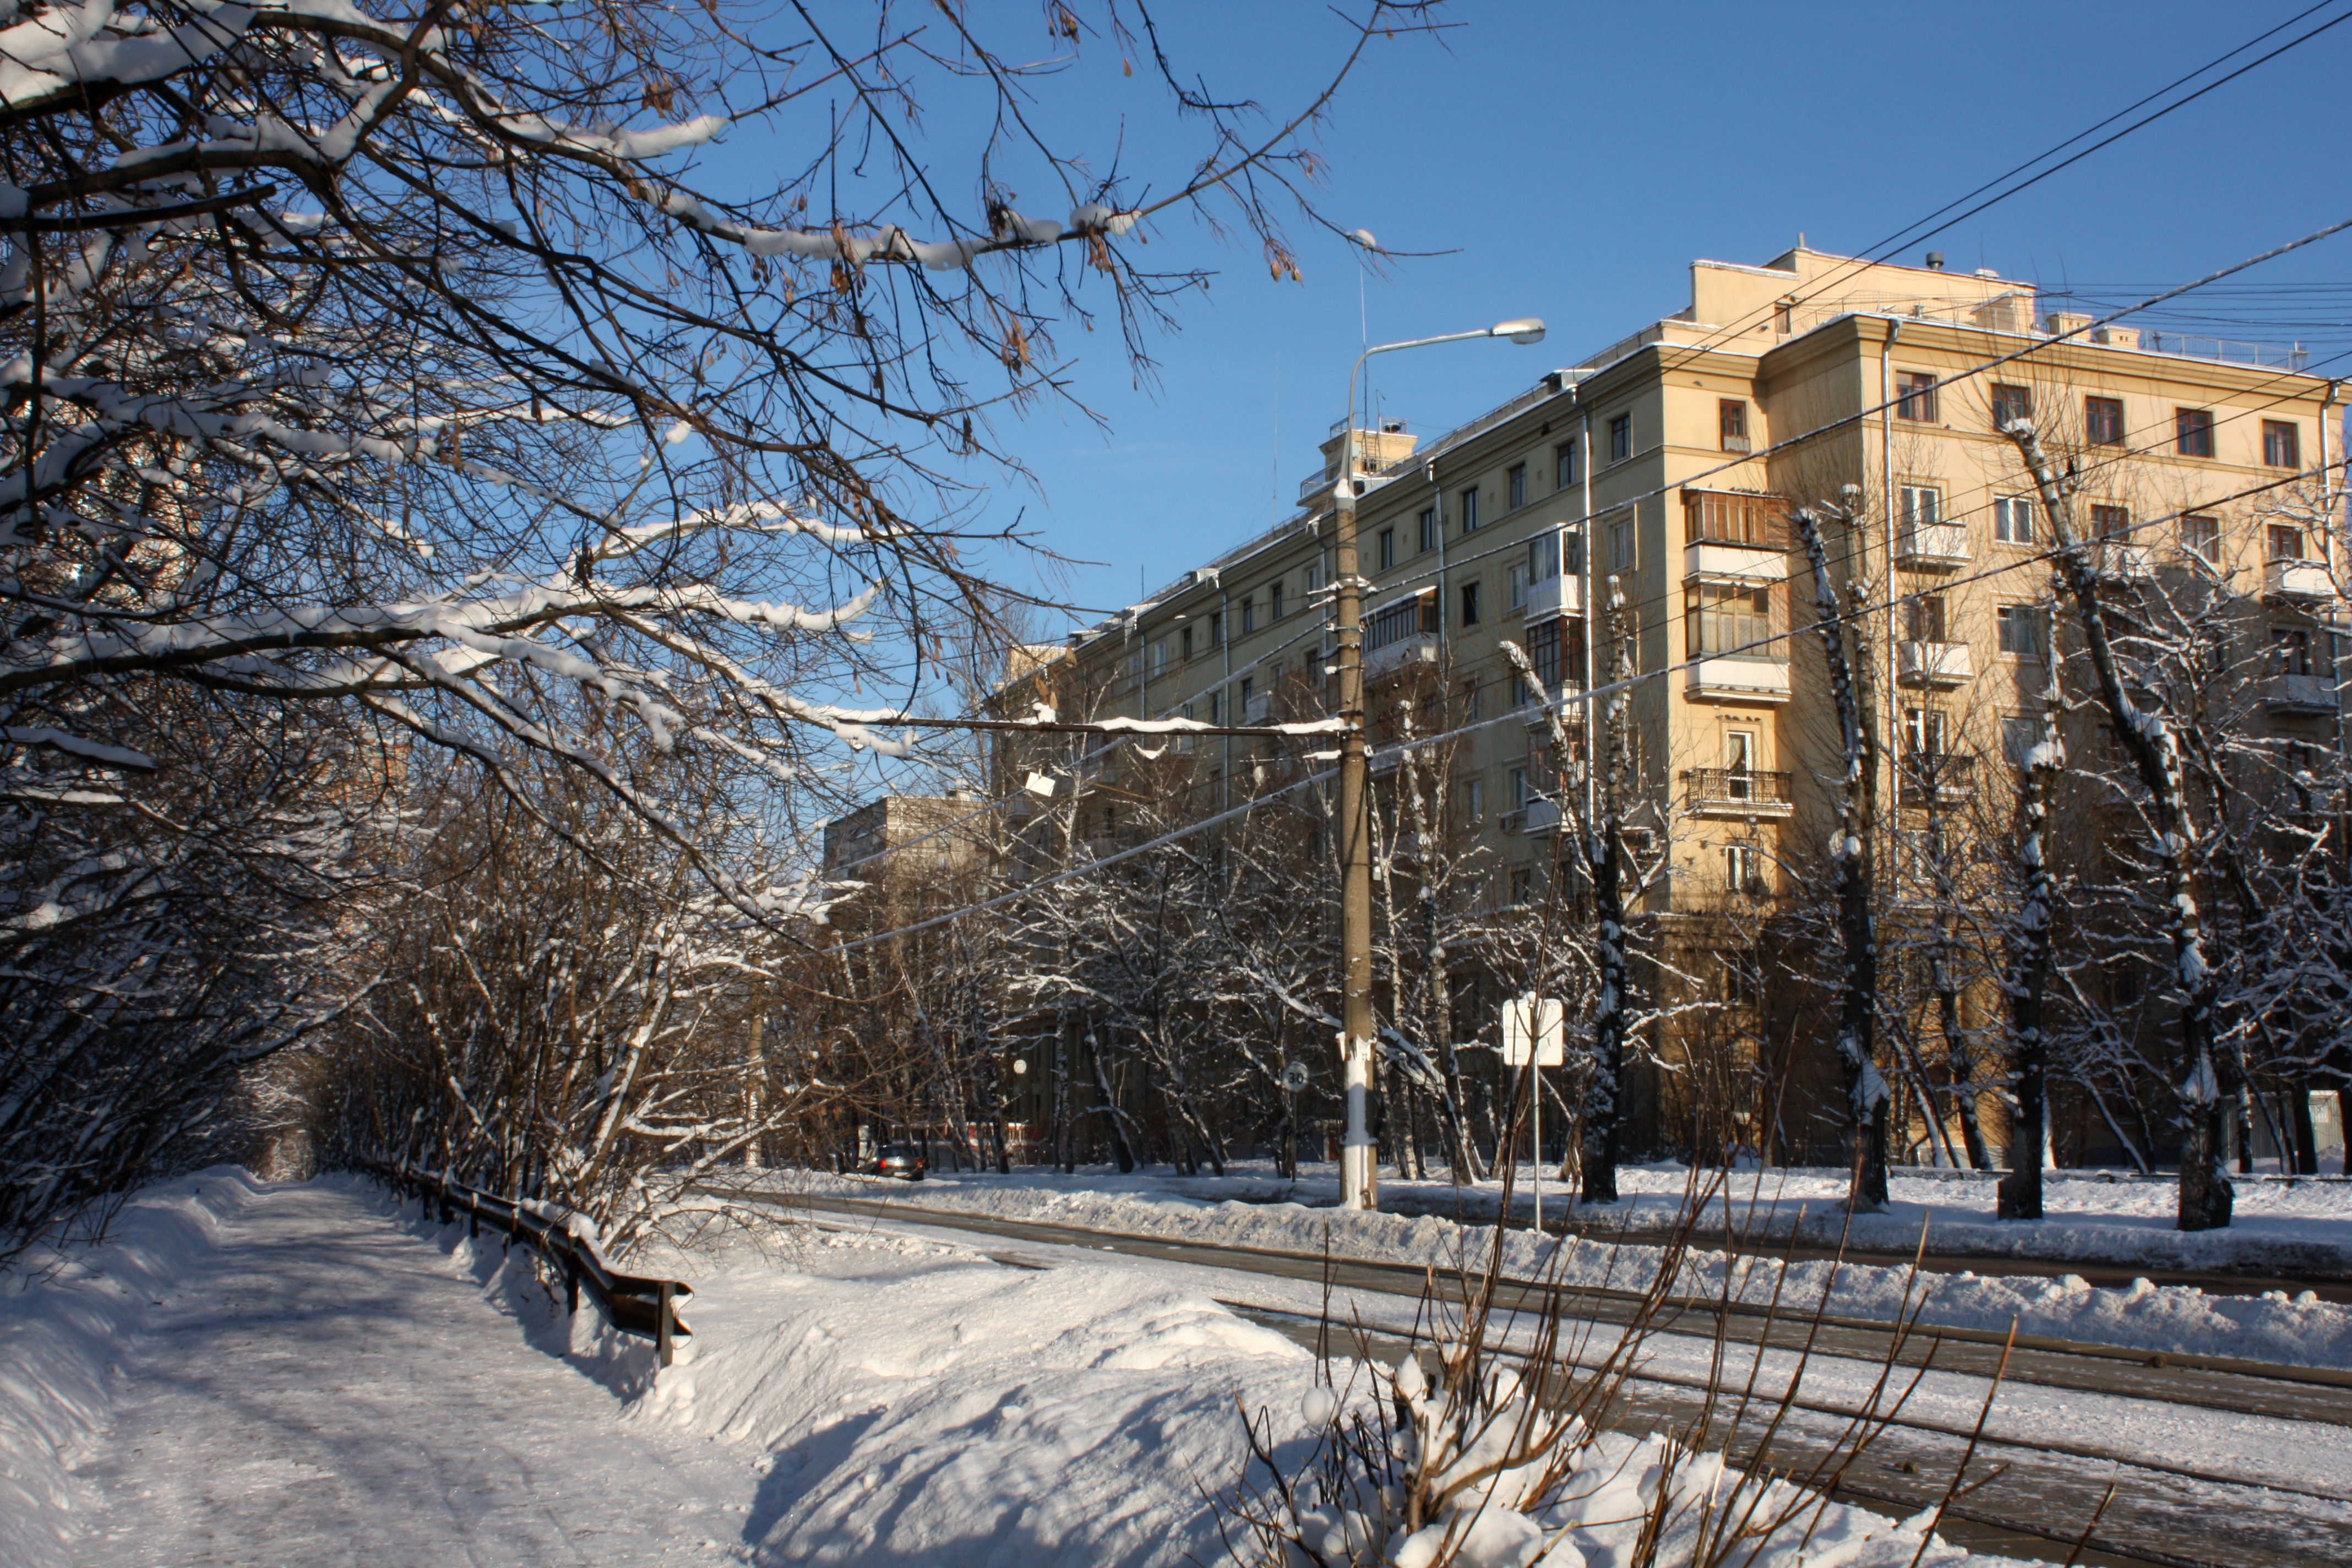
column 1358, row 1173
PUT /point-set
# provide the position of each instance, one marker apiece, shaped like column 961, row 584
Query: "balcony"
column 1938, row 778
column 1539, row 818
column 2302, row 580
column 2299, row 693
column 2122, row 561
column 1735, row 792
column 1258, row 708
column 1735, row 562
column 1932, row 663
column 1932, row 546
column 1569, row 707
column 1739, row 680
column 1402, row 653
column 1559, row 596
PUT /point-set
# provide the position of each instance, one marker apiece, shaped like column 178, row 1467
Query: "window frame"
column 1275, row 597
column 2010, row 400
column 1470, row 608
column 2200, row 536
column 2192, row 432
column 1515, row 487
column 1563, row 465
column 1427, row 525
column 1620, row 437
column 2097, row 429
column 1916, row 399
column 1384, row 549
column 2282, row 444
column 1466, row 503
column 2006, row 510
column 1732, row 425
column 2028, row 615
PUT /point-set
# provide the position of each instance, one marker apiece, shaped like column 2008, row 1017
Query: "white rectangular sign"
column 1534, row 1026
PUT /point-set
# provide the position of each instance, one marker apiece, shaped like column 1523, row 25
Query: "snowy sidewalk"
column 326, row 1387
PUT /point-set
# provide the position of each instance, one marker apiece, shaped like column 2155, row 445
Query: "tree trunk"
column 1866, row 1097
column 2206, row 1198
column 2019, row 1195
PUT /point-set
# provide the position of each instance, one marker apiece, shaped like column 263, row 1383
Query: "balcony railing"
column 1739, row 681
column 1937, row 777
column 1736, row 792
column 1560, row 594
column 1724, row 517
column 2122, row 559
column 1934, row 663
column 1933, row 544
column 2300, row 693
column 2298, row 580
column 1403, row 653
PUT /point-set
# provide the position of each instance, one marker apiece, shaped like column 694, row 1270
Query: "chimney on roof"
column 1934, row 261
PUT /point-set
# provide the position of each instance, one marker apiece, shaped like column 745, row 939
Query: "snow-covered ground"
column 1248, row 1210
column 308, row 1374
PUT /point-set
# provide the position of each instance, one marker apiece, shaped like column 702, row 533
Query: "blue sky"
column 1573, row 159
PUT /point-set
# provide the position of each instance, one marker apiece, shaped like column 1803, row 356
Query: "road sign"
column 1534, row 1027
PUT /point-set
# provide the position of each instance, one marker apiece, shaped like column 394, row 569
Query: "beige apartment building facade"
column 1662, row 470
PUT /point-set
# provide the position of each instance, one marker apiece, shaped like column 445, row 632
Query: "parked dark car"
column 904, row 1161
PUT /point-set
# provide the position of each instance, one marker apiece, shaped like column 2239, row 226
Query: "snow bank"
column 62, row 1315
column 2296, row 1331
column 918, row 1402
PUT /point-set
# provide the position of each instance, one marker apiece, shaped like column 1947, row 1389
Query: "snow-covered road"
column 322, row 1388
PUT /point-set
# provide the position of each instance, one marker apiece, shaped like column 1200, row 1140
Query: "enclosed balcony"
column 1736, row 792
column 1401, row 636
column 1734, row 536
column 1939, row 664
column 2306, row 581
column 1540, row 817
column 2123, row 560
column 2299, row 694
column 1558, row 595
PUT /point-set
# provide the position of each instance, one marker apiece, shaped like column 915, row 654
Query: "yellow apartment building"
column 1662, row 469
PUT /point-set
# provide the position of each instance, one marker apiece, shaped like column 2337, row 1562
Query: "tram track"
column 2023, row 1496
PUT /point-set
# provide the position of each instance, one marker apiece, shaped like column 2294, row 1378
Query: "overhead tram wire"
column 1859, row 613
column 1912, row 233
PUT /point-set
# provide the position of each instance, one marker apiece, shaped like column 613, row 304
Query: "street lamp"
column 1358, row 1171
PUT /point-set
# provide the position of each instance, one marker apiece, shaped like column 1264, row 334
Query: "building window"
column 1387, row 548
column 1428, row 529
column 1923, row 732
column 2102, row 421
column 1311, row 579
column 1518, row 584
column 1274, row 603
column 1621, row 438
column 1919, row 506
column 1249, row 614
column 2111, row 522
column 2013, row 520
column 2290, row 650
column 1249, row 690
column 1563, row 464
column 2286, row 541
column 1469, row 603
column 1740, row 869
column 1621, row 544
column 2282, row 444
column 1470, row 510
column 1727, row 618
column 1731, row 424
column 2192, row 432
column 2010, row 403
column 1515, row 485
column 1184, row 643
column 1474, row 701
column 1914, row 396
column 1160, row 656
column 1217, row 629
column 2021, row 630
column 1216, row 707
column 1923, row 618
column 2020, row 733
column 1521, row 885
column 2200, row 536
column 1518, row 789
column 1474, row 802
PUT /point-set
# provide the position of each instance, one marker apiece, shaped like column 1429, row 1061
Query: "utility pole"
column 1359, row 1172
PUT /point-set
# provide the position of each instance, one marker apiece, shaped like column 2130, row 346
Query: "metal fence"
column 633, row 1303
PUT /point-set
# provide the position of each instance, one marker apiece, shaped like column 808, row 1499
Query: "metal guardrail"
column 633, row 1303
